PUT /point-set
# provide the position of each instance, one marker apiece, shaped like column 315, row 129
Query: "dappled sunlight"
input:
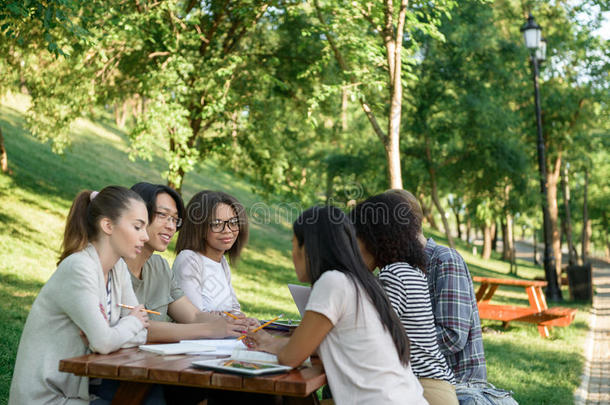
column 524, row 365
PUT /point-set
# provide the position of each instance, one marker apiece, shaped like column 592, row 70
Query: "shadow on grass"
column 524, row 369
column 17, row 228
column 16, row 298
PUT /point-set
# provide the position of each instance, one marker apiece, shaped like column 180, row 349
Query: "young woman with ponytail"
column 77, row 310
column 348, row 318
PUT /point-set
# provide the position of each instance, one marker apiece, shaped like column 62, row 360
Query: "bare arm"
column 174, row 332
column 183, row 311
column 304, row 341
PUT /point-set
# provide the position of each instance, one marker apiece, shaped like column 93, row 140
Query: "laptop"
column 300, row 295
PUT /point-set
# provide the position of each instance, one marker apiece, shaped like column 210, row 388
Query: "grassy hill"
column 35, row 199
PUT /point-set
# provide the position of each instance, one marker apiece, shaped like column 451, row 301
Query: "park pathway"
column 595, row 384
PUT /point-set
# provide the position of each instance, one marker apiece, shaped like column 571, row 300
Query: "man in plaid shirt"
column 454, row 304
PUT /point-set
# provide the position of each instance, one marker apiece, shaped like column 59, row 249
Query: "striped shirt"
column 109, row 296
column 455, row 310
column 407, row 289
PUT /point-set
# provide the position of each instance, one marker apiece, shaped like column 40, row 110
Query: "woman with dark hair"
column 77, row 310
column 154, row 283
column 215, row 225
column 348, row 318
column 387, row 231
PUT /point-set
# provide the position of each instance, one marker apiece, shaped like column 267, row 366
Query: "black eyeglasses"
column 218, row 225
column 166, row 217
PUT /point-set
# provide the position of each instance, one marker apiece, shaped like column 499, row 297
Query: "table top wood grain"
column 134, row 365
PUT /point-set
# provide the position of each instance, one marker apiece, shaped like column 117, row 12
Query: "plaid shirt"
column 454, row 303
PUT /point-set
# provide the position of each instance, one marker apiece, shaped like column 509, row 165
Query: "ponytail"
column 75, row 235
column 86, row 211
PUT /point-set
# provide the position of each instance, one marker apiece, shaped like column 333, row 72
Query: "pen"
column 145, row 310
column 230, row 314
column 263, row 325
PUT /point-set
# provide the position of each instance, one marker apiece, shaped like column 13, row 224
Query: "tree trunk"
column 458, row 225
column 513, row 251
column 434, row 192
column 487, row 231
column 468, row 230
column 494, row 236
column 572, row 259
column 552, row 180
column 586, row 222
column 120, row 114
column 507, row 238
column 535, row 247
column 507, row 228
column 441, row 211
column 427, row 211
column 3, row 155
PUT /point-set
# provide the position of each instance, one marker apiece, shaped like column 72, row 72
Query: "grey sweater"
column 72, row 301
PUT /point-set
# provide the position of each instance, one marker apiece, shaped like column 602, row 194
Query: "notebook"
column 176, row 348
column 300, row 295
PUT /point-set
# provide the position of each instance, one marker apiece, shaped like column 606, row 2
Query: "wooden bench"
column 538, row 312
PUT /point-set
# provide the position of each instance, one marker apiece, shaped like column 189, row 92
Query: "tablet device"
column 300, row 295
column 241, row 367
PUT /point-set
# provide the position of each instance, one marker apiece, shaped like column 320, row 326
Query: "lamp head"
column 531, row 33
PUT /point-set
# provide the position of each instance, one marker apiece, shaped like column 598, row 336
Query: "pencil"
column 230, row 314
column 262, row 326
column 145, row 310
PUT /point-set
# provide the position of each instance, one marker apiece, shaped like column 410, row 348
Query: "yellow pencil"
column 262, row 326
column 145, row 310
column 230, row 314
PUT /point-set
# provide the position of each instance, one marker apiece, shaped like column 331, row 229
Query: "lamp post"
column 532, row 34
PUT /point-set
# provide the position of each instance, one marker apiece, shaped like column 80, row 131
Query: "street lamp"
column 532, row 33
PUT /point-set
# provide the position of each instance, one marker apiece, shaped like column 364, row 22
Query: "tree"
column 25, row 25
column 182, row 57
column 374, row 60
column 573, row 84
column 461, row 123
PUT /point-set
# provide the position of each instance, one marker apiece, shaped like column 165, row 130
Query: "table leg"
column 536, row 298
column 544, row 331
column 485, row 292
column 130, row 392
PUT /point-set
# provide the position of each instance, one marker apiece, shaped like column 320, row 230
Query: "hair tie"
column 93, row 195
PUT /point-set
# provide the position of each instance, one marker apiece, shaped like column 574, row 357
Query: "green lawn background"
column 35, row 199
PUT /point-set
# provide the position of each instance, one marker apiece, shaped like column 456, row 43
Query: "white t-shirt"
column 205, row 282
column 359, row 356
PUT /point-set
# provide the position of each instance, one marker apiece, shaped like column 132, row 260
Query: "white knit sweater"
column 72, row 301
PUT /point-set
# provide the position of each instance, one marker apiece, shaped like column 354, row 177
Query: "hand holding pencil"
column 139, row 312
column 262, row 326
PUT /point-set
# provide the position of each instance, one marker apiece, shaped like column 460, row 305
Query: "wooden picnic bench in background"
column 538, row 312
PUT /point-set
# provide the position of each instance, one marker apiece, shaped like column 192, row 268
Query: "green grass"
column 35, row 199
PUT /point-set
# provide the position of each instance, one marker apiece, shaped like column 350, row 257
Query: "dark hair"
column 200, row 211
column 330, row 244
column 390, row 230
column 85, row 214
column 149, row 193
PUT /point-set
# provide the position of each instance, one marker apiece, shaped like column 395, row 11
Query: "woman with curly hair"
column 348, row 320
column 387, row 232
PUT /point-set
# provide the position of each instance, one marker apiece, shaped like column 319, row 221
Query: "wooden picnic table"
column 138, row 370
column 538, row 312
